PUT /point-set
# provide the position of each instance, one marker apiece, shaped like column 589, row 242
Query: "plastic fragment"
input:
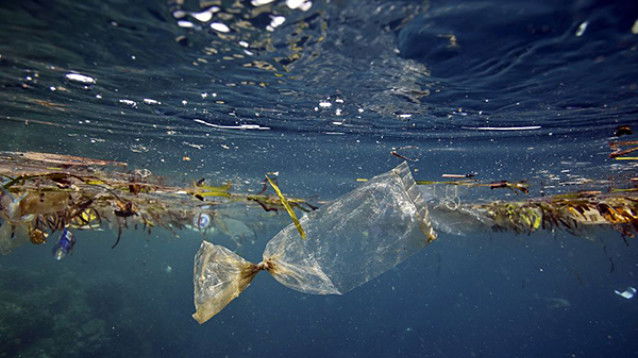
column 629, row 293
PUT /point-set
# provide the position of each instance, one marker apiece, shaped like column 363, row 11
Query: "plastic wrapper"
column 349, row 242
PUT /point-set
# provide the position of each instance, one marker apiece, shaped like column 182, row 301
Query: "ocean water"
column 322, row 92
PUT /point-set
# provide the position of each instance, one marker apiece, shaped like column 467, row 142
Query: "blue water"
column 518, row 90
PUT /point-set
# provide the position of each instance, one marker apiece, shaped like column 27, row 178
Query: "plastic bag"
column 351, row 241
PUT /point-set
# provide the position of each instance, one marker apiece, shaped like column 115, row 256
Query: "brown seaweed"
column 85, row 194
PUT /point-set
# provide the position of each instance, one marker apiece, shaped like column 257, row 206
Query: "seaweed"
column 520, row 186
column 561, row 212
column 39, row 199
column 287, row 206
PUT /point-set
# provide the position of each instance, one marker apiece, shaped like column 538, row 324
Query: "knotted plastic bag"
column 349, row 242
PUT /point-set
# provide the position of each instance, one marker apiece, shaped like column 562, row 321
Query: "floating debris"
column 287, row 206
column 64, row 245
column 220, row 27
column 629, row 293
column 574, row 213
column 581, row 29
column 623, row 130
column 77, row 77
column 520, row 186
column 43, row 193
column 400, row 156
column 151, row 101
column 350, row 241
column 521, row 128
column 237, row 127
column 459, row 176
column 128, row 102
column 618, row 151
column 345, row 243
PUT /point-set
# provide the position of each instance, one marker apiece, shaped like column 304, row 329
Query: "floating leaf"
column 287, row 206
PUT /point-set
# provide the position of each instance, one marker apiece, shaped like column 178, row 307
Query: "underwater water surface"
column 326, row 92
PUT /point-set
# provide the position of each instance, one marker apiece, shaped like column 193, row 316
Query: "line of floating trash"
column 373, row 228
column 236, row 127
column 520, row 128
column 368, row 231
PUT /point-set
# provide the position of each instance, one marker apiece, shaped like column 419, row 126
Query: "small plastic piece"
column 629, row 293
column 64, row 245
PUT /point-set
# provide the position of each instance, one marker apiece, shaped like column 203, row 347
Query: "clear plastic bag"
column 351, row 241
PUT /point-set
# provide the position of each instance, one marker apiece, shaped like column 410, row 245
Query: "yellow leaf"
column 287, row 206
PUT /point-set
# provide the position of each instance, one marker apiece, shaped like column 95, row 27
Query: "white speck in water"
column 98, row 96
column 77, row 77
column 203, row 16
column 303, row 5
column 128, row 102
column 179, row 14
column 151, row 101
column 184, row 102
column 338, row 112
column 275, row 21
column 503, row 129
column 220, row 27
column 260, row 2
column 628, row 294
column 138, row 148
column 634, row 28
column 52, row 88
column 581, row 29
column 325, row 104
column 240, row 126
column 168, row 269
column 360, row 110
column 185, row 24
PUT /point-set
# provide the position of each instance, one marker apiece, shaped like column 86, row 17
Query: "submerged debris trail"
column 43, row 193
column 329, row 250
